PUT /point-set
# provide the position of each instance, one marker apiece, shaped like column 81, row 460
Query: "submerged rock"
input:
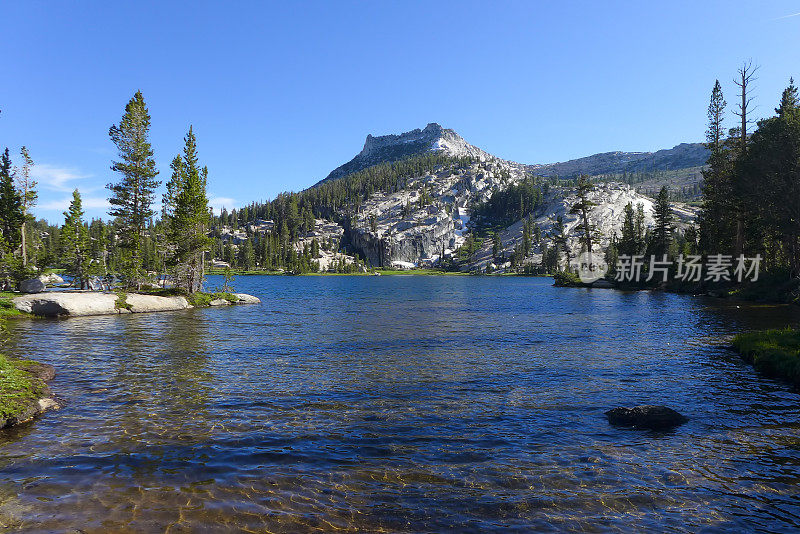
column 646, row 416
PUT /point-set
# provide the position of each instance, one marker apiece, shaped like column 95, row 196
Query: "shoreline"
column 379, row 272
column 79, row 303
column 24, row 392
column 774, row 353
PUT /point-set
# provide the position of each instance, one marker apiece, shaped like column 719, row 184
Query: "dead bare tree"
column 747, row 76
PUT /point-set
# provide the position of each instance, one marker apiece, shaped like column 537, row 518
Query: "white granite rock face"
column 430, row 215
column 78, row 303
column 607, row 216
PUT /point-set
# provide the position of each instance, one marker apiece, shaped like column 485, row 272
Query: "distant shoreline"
column 381, row 272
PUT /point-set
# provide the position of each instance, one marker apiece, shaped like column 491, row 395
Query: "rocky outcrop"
column 429, row 215
column 78, row 303
column 647, row 417
column 138, row 303
column 388, row 148
column 607, row 216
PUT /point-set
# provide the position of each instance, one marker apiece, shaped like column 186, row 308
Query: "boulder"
column 219, row 302
column 32, row 285
column 244, row 298
column 153, row 303
column 78, row 303
column 51, row 279
column 646, row 417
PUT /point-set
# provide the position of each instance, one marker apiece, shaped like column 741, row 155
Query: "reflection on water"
column 404, row 404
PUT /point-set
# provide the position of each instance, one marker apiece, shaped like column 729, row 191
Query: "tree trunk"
column 24, row 254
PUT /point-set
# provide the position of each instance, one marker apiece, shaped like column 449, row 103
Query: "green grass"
column 122, row 301
column 18, row 388
column 775, row 353
column 7, row 308
column 201, row 300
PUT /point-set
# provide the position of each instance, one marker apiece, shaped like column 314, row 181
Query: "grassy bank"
column 200, row 299
column 19, row 389
column 7, row 308
column 775, row 353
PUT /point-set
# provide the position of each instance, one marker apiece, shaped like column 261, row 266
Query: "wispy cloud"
column 221, row 202
column 787, row 16
column 56, row 178
column 61, row 204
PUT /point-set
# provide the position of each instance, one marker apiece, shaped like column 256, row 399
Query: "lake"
column 405, row 403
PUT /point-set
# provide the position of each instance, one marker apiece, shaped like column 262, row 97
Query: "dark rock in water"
column 646, row 416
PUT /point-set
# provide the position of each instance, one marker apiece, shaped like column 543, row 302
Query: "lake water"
column 404, row 403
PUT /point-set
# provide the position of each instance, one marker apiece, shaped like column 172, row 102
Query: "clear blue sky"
column 281, row 93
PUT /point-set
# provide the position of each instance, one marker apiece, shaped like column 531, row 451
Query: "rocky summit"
column 388, row 148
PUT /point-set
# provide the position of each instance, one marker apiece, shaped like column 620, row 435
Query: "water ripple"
column 399, row 404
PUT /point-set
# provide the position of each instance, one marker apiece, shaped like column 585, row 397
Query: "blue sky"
column 281, row 93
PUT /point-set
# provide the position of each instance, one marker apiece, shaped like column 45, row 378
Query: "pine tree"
column 771, row 166
column 132, row 197
column 789, row 100
column 187, row 217
column 247, row 256
column 717, row 225
column 662, row 234
column 560, row 240
column 582, row 207
column 75, row 242
column 29, row 195
column 11, row 211
column 629, row 242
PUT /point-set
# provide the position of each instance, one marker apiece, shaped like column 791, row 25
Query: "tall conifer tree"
column 75, row 242
column 132, row 197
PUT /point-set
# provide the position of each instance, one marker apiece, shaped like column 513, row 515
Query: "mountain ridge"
column 434, row 137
